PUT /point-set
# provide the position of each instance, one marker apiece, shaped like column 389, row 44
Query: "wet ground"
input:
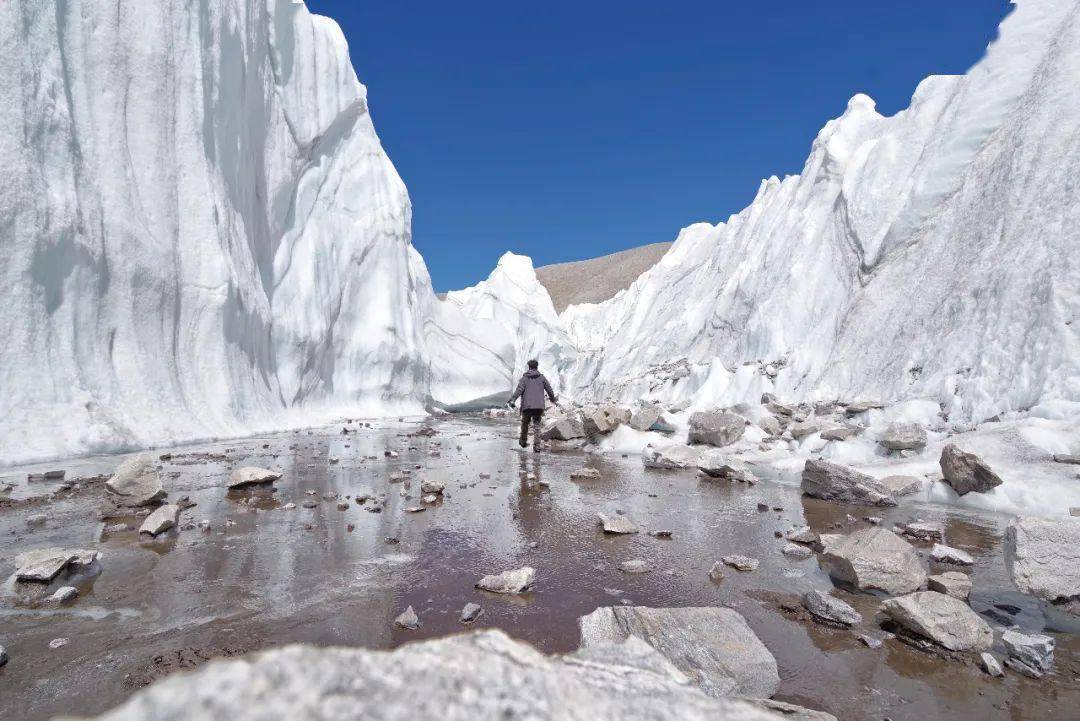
column 264, row 575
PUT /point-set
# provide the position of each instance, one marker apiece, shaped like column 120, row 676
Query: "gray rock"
column 44, row 564
column 136, row 482
column 1075, row 511
column 944, row 620
column 161, row 520
column 63, row 595
column 903, row 437
column 833, row 482
column 862, row 406
column 796, row 551
column 3, row 656
column 563, row 428
column 516, row 581
column 873, row 559
column 770, row 425
column 966, row 472
column 716, row 428
column 432, row 487
column 990, row 664
column 840, row 434
column 802, row 534
column 616, row 524
column 951, row 583
column 716, row 573
column 716, row 464
column 832, row 610
column 803, row 429
column 1030, row 654
column 947, row 554
column 741, row 563
column 902, row 485
column 790, row 711
column 38, row 519
column 713, row 646
column 924, row 530
column 870, row 641
column 1043, row 556
column 645, row 417
column 670, row 457
column 408, row 620
column 780, row 409
column 598, row 421
column 471, row 612
column 252, row 476
column 59, row 643
column 474, row 676
column 635, row 566
column 584, row 474
column 1067, row 458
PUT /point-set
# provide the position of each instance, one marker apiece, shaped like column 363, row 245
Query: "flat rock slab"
column 1067, row 458
column 947, row 554
column 834, row 482
column 616, row 524
column 741, row 563
column 252, row 476
column 714, row 647
column 903, row 485
column 873, row 559
column 946, row 621
column 716, row 428
column 951, row 583
column 44, row 564
column 1043, row 556
column 829, row 609
column 966, row 472
column 635, row 566
column 670, row 457
column 516, row 581
column 1029, row 653
column 482, row 675
column 136, row 482
column 717, row 464
column 161, row 520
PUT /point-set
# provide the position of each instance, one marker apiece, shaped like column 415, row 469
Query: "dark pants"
column 534, row 416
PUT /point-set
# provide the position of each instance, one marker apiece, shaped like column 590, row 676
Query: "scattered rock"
column 924, row 530
column 161, row 520
column 44, row 564
column 63, row 595
column 841, row 433
column 661, row 533
column 716, row 573
column 252, row 476
column 584, row 474
column 947, row 554
column 1067, row 458
column 136, row 482
column 1029, row 654
column 966, row 472
column 796, row 551
column 902, row 485
column 716, row 428
column 790, row 711
column 803, row 429
column 741, row 563
column 563, row 428
column 771, row 425
column 862, row 406
column 990, row 664
column 715, row 464
column 408, row 620
column 951, row 583
column 516, row 581
column 670, row 457
column 943, row 619
column 471, row 612
column 58, row 643
column 635, row 566
column 714, row 647
column 38, row 519
column 309, row 503
column 436, row 487
column 873, row 559
column 829, row 609
column 903, row 437
column 833, row 482
column 616, row 524
column 3, row 656
column 645, row 416
column 870, row 641
column 802, row 534
column 1043, row 556
column 415, row 509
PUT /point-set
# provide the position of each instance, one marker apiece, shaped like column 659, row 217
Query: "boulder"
column 966, row 472
column 645, row 416
column 803, row 429
column 943, row 619
column 951, row 583
column 1030, row 654
column 873, row 559
column 716, row 428
column 161, row 520
column 713, row 646
column 252, row 476
column 1043, row 557
column 616, row 524
column 841, row 433
column 716, row 464
column 136, row 483
column 563, row 428
column 903, row 437
column 771, row 425
column 829, row 609
column 834, row 482
column 44, row 564
column 481, row 675
column 947, row 554
column 670, row 457
column 408, row 620
column 510, row 582
column 902, row 485
column 601, row 420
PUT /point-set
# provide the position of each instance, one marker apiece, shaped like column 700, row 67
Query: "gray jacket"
column 531, row 389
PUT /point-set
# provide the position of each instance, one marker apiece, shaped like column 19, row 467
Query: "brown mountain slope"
column 597, row 279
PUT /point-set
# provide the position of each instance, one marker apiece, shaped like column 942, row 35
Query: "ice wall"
column 200, row 233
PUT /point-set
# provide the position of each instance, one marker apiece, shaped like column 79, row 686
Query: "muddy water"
column 265, row 576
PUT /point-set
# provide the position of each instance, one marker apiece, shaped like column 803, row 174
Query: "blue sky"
column 567, row 130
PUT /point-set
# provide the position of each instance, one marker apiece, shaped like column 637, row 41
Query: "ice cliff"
column 200, row 233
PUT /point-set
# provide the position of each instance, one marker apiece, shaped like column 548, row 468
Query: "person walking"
column 531, row 389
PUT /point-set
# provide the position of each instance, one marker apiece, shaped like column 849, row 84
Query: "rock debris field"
column 623, row 583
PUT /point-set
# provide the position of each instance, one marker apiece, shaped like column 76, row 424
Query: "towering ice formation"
column 934, row 253
column 200, row 232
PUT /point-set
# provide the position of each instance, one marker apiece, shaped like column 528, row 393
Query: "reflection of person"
column 531, row 389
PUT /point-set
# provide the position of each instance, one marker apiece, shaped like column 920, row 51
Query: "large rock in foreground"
column 713, row 646
column 833, row 482
column 873, row 559
column 715, row 428
column 44, row 564
column 904, row 437
column 966, row 472
column 1043, row 556
column 943, row 619
column 471, row 677
column 136, row 483
column 563, row 428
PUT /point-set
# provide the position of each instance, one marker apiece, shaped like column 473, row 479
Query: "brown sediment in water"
column 264, row 576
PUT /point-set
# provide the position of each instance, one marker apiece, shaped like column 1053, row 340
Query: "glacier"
column 201, row 233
